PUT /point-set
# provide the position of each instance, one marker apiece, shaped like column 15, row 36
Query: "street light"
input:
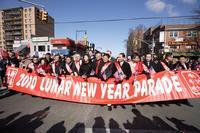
column 153, row 43
column 77, row 31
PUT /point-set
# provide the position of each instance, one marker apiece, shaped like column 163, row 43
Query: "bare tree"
column 134, row 43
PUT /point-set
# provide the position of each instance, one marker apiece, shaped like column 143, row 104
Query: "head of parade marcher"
column 91, row 55
column 43, row 61
column 13, row 61
column 35, row 60
column 68, row 59
column 48, row 56
column 106, row 57
column 121, row 57
column 168, row 57
column 86, row 58
column 136, row 57
column 182, row 63
column 76, row 57
column 128, row 58
column 110, row 54
column 182, row 59
column 57, row 58
column 98, row 56
column 148, row 57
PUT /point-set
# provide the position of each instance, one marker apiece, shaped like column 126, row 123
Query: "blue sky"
column 109, row 35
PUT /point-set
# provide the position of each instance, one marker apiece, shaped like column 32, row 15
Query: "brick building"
column 178, row 39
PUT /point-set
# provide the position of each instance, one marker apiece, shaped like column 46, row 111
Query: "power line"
column 194, row 17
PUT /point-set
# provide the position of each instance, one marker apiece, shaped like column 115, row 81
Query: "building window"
column 25, row 20
column 34, row 48
column 29, row 26
column 29, row 9
column 41, row 48
column 25, row 15
column 191, row 34
column 25, row 31
column 48, row 48
column 30, row 31
column 173, row 34
column 25, row 26
column 25, row 10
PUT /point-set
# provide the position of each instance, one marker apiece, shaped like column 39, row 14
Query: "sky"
column 108, row 35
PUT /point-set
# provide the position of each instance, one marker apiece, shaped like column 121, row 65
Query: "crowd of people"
column 100, row 65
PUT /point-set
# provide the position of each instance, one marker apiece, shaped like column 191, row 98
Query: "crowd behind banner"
column 100, row 65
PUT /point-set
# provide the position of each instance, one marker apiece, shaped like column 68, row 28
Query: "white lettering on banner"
column 12, row 72
column 156, row 87
column 85, row 89
column 176, row 83
column 27, row 81
column 121, row 91
column 50, row 85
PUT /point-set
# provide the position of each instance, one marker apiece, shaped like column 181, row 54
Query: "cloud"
column 189, row 1
column 171, row 11
column 155, row 5
column 158, row 6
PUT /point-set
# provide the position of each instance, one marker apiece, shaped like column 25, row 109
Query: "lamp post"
column 78, row 31
column 153, row 43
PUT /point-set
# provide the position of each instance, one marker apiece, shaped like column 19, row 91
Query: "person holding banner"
column 86, row 67
column 43, row 67
column 97, row 62
column 67, row 66
column 12, row 60
column 168, row 62
column 137, row 66
column 153, row 65
column 181, row 64
column 56, row 66
column 123, row 69
column 33, row 66
column 76, row 64
column 106, row 68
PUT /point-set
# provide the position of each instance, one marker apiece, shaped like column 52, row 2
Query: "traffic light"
column 44, row 16
column 39, row 14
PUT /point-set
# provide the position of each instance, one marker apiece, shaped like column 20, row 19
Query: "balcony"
column 12, row 18
column 11, row 28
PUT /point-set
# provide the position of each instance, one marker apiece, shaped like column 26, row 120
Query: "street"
column 24, row 113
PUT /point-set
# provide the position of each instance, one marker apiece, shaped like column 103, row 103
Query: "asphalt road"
column 24, row 113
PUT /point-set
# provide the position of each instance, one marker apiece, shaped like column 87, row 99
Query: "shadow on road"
column 25, row 124
column 141, row 122
column 78, row 128
column 168, row 103
column 99, row 125
column 57, row 128
column 8, row 94
column 182, row 126
column 114, row 127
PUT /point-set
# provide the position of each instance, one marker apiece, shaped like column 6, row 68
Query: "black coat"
column 169, row 64
column 109, row 71
column 85, row 69
column 179, row 66
column 126, row 69
column 74, row 69
column 13, row 61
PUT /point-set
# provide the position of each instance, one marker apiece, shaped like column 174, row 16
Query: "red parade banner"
column 161, row 86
